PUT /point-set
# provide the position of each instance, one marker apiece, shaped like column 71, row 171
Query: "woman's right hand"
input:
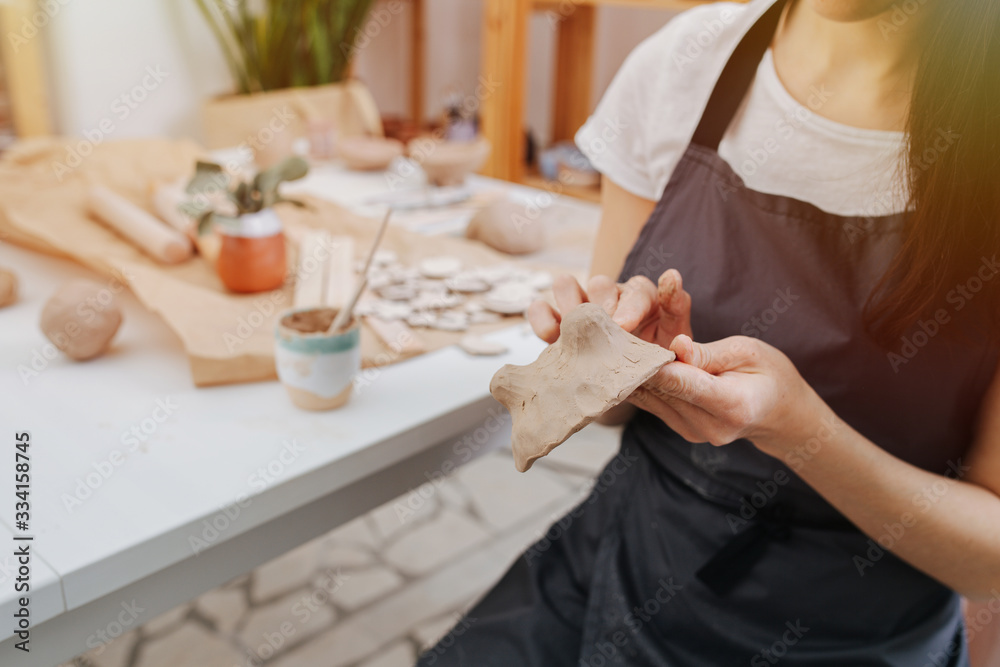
column 654, row 313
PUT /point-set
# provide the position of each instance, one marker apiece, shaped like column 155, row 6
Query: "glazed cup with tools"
column 318, row 350
column 316, row 362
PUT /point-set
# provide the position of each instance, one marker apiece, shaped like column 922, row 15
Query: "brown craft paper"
column 228, row 337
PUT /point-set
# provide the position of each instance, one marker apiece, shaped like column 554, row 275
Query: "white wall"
column 99, row 51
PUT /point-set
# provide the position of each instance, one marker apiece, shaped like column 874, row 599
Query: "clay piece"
column 481, row 347
column 465, row 283
column 400, row 292
column 369, row 153
column 441, row 293
column 591, row 368
column 384, row 258
column 440, row 267
column 509, row 298
column 451, row 321
column 509, row 227
column 425, row 320
column 483, row 317
column 8, row 287
column 392, row 310
column 81, row 318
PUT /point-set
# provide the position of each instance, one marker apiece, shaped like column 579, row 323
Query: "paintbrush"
column 344, row 316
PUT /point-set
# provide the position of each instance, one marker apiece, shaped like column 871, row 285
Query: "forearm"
column 942, row 525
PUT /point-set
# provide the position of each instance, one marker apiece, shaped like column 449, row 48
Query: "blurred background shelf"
column 505, row 45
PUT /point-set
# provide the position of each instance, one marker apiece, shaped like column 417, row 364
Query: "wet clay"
column 8, row 288
column 309, row 321
column 81, row 318
column 594, row 366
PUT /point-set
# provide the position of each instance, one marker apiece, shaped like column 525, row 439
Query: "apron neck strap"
column 735, row 80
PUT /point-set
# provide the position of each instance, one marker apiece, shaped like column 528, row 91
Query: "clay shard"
column 594, row 366
column 481, row 347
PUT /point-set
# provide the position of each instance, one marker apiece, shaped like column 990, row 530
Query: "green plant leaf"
column 205, row 221
column 266, row 182
column 292, row 43
column 208, row 178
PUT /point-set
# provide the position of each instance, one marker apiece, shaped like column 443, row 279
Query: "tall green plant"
column 272, row 44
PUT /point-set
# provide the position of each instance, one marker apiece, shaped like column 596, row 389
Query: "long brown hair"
column 953, row 171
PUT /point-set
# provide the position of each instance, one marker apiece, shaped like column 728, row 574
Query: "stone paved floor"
column 375, row 591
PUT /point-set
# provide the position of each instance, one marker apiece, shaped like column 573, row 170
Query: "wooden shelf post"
column 21, row 52
column 505, row 48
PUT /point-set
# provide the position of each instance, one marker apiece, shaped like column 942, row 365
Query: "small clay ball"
column 8, row 288
column 81, row 318
column 509, row 227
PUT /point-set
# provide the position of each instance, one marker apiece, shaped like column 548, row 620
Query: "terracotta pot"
column 252, row 258
column 316, row 368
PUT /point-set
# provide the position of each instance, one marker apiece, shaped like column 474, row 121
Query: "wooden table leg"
column 502, row 84
column 21, row 52
column 417, row 60
column 573, row 72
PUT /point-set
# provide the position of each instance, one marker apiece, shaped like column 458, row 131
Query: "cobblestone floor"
column 376, row 591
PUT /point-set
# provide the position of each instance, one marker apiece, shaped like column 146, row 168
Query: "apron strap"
column 735, row 80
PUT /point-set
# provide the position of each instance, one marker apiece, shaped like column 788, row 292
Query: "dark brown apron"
column 688, row 554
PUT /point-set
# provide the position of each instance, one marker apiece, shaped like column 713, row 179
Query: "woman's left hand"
column 735, row 388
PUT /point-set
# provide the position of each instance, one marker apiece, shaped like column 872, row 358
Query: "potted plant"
column 252, row 254
column 290, row 62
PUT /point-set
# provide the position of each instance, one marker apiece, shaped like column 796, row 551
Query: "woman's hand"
column 734, row 388
column 654, row 313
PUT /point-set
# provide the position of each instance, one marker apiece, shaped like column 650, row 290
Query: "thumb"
column 675, row 303
column 709, row 357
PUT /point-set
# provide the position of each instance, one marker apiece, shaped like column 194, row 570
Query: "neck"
column 869, row 70
column 882, row 46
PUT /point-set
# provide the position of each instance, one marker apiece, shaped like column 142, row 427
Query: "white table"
column 131, row 544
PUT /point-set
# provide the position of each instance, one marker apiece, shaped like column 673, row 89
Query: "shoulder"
column 698, row 41
column 647, row 115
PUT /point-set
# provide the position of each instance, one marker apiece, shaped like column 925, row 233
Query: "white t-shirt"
column 648, row 115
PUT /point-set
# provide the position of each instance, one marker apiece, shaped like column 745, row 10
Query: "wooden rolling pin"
column 163, row 243
column 166, row 198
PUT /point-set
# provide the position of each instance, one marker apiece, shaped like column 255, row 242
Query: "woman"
column 818, row 479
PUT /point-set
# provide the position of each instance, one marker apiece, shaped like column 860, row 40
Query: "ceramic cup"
column 315, row 367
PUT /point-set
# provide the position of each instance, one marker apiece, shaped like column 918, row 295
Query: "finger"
column 637, row 303
column 568, row 293
column 544, row 321
column 603, row 291
column 687, row 383
column 675, row 302
column 715, row 358
column 645, row 399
